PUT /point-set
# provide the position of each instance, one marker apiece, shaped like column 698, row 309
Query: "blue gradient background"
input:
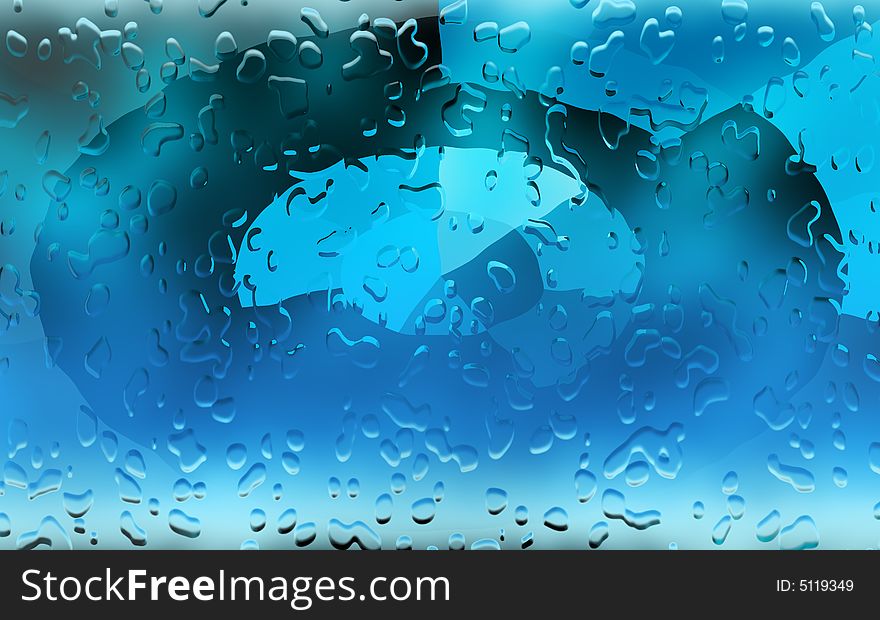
column 70, row 433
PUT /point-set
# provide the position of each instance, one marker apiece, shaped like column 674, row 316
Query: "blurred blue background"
column 227, row 327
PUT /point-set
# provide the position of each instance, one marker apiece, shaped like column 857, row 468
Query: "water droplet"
column 131, row 530
column 184, row 524
column 257, row 519
column 791, row 54
column 304, row 534
column 254, row 477
column 799, row 478
column 799, row 535
column 424, row 510
column 736, row 506
column 718, row 49
column 768, row 528
column 823, row 23
column 721, row 530
column 16, row 44
column 585, row 485
column 730, row 484
column 496, row 500
column 514, row 37
column 556, row 518
column 598, row 534
column 766, row 35
column 286, row 521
